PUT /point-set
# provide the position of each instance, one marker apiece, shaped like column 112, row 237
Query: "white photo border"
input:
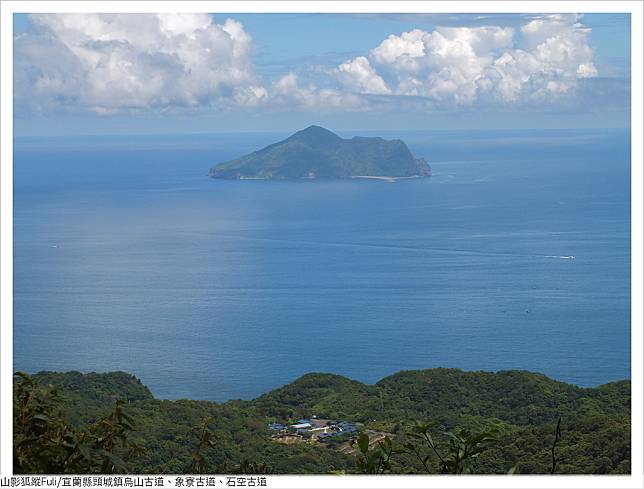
column 635, row 8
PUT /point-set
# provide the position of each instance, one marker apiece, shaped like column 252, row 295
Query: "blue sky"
column 260, row 72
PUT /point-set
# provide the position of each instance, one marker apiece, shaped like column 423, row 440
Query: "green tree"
column 462, row 449
column 45, row 443
column 375, row 460
column 199, row 463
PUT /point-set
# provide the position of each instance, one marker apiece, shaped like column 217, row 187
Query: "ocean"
column 128, row 257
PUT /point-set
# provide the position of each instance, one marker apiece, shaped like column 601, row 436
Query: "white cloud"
column 359, row 76
column 586, row 70
column 107, row 62
column 112, row 62
column 394, row 49
column 287, row 92
column 463, row 66
column 250, row 96
column 544, row 27
column 553, row 53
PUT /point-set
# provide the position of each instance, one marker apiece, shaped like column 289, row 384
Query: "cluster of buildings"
column 313, row 429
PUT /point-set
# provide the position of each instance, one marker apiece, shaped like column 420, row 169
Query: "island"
column 316, row 152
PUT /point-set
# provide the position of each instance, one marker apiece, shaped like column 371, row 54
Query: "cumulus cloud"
column 107, row 62
column 288, row 92
column 359, row 76
column 112, row 62
column 462, row 66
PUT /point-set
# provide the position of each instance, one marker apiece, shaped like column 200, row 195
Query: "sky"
column 78, row 74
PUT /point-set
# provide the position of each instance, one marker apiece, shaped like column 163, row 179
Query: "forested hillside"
column 515, row 413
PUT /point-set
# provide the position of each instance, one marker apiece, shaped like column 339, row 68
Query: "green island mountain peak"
column 316, row 152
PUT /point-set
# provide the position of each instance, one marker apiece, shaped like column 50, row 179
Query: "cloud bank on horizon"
column 110, row 63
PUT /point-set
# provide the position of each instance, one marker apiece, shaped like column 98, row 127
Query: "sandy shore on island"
column 385, row 178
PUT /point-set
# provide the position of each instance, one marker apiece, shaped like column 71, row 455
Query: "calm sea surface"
column 128, row 257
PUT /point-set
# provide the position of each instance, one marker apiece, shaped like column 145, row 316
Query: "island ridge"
column 316, row 152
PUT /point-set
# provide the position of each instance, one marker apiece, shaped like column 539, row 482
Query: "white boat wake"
column 570, row 257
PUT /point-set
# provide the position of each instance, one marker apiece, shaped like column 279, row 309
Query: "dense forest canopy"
column 519, row 410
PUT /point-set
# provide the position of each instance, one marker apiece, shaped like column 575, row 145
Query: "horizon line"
column 216, row 132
